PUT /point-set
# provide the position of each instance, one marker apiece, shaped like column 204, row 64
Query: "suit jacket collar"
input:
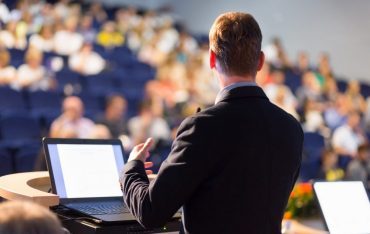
column 242, row 92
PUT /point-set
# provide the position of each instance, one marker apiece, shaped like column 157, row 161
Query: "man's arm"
column 179, row 176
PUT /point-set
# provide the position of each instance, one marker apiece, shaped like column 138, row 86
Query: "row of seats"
column 130, row 82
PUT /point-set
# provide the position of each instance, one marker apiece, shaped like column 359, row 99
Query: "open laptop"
column 344, row 205
column 85, row 175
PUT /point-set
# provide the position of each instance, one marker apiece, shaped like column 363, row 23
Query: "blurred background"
column 134, row 69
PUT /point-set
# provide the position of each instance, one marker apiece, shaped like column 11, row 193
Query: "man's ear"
column 212, row 59
column 261, row 61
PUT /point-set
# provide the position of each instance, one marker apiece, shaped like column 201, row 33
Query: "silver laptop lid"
column 84, row 168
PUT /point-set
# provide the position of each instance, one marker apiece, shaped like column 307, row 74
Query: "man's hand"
column 141, row 152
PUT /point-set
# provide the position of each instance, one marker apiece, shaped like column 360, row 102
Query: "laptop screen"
column 344, row 205
column 85, row 170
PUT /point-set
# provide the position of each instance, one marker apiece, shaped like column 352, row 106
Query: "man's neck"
column 225, row 80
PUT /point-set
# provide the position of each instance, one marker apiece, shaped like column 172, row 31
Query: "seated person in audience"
column 280, row 99
column 67, row 41
column 359, row 167
column 86, row 28
column 354, row 96
column 114, row 116
column 20, row 217
column 4, row 12
column 44, row 40
column 276, row 54
column 32, row 75
column 171, row 83
column 274, row 89
column 324, row 67
column 98, row 13
column 329, row 170
column 86, row 61
column 71, row 123
column 335, row 115
column 303, row 63
column 148, row 124
column 100, row 131
column 347, row 138
column 312, row 119
column 109, row 36
column 7, row 73
column 310, row 89
column 330, row 91
column 11, row 38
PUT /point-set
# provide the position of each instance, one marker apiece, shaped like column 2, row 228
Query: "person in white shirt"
column 86, row 61
column 349, row 136
column 4, row 12
column 11, row 38
column 7, row 73
column 68, row 41
column 71, row 122
column 44, row 40
column 32, row 75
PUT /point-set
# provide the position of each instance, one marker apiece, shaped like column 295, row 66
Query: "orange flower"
column 306, row 187
column 287, row 215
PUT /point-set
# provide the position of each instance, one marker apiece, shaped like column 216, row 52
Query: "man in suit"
column 233, row 165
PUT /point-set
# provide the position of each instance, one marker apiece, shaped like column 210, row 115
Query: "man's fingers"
column 148, row 164
column 148, row 143
column 149, row 172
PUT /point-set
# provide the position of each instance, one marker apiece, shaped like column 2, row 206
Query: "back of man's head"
column 27, row 218
column 236, row 38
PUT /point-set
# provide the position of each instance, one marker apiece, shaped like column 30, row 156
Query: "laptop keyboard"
column 101, row 209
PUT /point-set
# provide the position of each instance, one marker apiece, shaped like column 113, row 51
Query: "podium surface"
column 31, row 186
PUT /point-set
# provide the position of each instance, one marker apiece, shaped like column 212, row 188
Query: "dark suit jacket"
column 232, row 168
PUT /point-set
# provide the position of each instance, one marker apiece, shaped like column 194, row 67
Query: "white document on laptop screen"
column 345, row 206
column 89, row 170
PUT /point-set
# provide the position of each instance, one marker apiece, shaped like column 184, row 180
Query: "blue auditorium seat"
column 16, row 57
column 6, row 165
column 313, row 146
column 101, row 84
column 293, row 80
column 365, row 90
column 68, row 79
column 93, row 104
column 45, row 106
column 17, row 130
column 122, row 56
column 342, row 85
column 11, row 101
column 44, row 102
column 25, row 157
